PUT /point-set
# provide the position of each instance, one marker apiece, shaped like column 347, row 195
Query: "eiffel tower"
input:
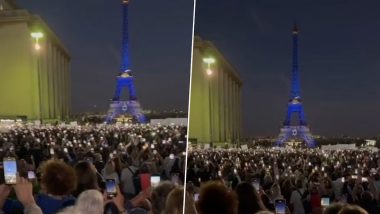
column 299, row 131
column 125, row 78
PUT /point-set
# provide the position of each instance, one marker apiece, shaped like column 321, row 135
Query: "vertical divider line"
column 188, row 110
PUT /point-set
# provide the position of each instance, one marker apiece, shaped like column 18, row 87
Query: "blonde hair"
column 90, row 201
column 352, row 209
column 190, row 207
column 174, row 201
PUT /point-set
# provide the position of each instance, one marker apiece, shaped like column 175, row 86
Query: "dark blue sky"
column 160, row 41
column 339, row 60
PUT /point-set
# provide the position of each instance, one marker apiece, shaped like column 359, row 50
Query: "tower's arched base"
column 289, row 133
column 125, row 109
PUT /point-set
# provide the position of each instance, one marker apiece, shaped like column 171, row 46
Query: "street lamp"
column 37, row 36
column 209, row 61
column 209, row 71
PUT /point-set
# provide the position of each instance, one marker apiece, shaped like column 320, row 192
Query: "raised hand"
column 24, row 191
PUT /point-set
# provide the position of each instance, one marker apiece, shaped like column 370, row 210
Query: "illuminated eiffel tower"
column 299, row 131
column 125, row 78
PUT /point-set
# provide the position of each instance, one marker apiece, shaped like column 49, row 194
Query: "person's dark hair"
column 249, row 201
column 111, row 208
column 159, row 195
column 128, row 161
column 215, row 198
column 352, row 209
column 58, row 178
column 333, row 208
column 87, row 178
column 118, row 165
column 299, row 183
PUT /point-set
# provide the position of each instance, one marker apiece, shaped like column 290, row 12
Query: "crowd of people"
column 262, row 180
column 93, row 169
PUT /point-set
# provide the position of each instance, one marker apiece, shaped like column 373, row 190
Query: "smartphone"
column 51, row 151
column 364, row 179
column 325, row 201
column 196, row 197
column 354, row 177
column 10, row 170
column 155, row 180
column 31, row 175
column 111, row 188
column 280, row 206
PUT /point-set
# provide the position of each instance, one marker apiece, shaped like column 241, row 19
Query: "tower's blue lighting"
column 300, row 130
column 125, row 60
column 125, row 80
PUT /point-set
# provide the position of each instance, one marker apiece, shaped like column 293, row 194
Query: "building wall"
column 222, row 91
column 32, row 83
column 18, row 91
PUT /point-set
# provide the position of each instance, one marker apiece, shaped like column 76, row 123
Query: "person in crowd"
column 276, row 192
column 159, row 196
column 98, row 162
column 297, row 197
column 333, row 208
column 265, row 212
column 352, row 209
column 109, row 171
column 90, row 201
column 70, row 160
column 24, row 193
column 58, row 182
column 174, row 201
column 347, row 176
column 249, row 200
column 126, row 179
column 189, row 207
column 87, row 177
column 216, row 198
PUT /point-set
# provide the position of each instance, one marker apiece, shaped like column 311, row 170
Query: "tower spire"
column 295, row 28
column 295, row 90
column 125, row 59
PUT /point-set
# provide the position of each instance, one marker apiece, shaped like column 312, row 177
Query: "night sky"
column 339, row 60
column 160, row 42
